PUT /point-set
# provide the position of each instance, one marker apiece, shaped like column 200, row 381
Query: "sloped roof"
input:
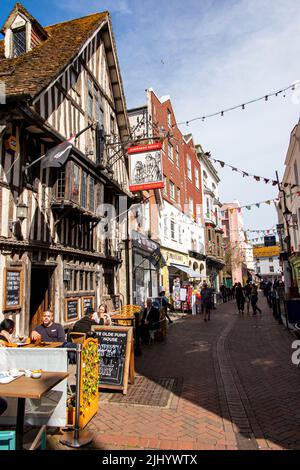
column 30, row 73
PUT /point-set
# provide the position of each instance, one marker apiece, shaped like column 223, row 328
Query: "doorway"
column 41, row 294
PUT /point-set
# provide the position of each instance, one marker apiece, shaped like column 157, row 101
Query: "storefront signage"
column 116, row 357
column 12, row 289
column 71, row 309
column 146, row 167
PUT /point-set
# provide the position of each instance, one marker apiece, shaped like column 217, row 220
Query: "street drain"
column 146, row 391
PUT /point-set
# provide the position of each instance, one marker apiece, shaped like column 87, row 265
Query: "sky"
column 209, row 55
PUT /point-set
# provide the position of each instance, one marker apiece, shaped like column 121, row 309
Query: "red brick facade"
column 177, row 150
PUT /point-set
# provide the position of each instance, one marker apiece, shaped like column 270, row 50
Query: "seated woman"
column 7, row 327
column 150, row 320
column 102, row 317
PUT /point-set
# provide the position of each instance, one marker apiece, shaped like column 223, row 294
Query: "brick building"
column 178, row 222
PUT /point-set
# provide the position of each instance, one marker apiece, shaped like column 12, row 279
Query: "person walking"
column 247, row 292
column 254, row 300
column 240, row 298
column 206, row 301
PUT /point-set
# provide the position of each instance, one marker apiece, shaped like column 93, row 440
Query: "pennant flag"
column 234, row 169
column 58, row 155
column 266, row 180
column 249, row 208
column 239, row 210
column 221, row 163
column 274, row 183
column 245, row 174
column 258, row 205
column 288, row 195
column 222, row 213
column 231, row 211
column 257, row 178
column 298, row 193
column 268, row 202
column 286, row 185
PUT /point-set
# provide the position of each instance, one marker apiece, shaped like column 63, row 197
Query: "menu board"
column 87, row 302
column 71, row 309
column 12, row 289
column 116, row 356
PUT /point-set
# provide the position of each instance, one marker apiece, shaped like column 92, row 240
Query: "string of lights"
column 242, row 106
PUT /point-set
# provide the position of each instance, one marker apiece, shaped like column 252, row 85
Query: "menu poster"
column 87, row 302
column 13, row 279
column 71, row 309
column 116, row 357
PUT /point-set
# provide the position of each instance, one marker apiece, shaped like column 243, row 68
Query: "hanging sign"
column 146, row 167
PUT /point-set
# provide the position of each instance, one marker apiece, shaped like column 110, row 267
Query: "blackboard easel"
column 118, row 340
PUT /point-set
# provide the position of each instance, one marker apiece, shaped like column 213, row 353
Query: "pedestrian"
column 240, row 298
column 254, row 300
column 206, row 301
column 165, row 304
column 247, row 292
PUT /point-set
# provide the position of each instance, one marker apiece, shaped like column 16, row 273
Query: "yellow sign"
column 266, row 252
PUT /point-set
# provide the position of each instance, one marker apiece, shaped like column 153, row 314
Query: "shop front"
column 295, row 264
column 147, row 262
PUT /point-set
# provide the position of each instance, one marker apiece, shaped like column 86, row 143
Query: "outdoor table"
column 27, row 387
column 118, row 317
column 43, row 345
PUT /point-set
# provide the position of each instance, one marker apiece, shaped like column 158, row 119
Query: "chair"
column 77, row 338
column 7, row 440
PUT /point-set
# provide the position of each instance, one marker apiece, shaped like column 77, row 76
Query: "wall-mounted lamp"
column 22, row 212
column 21, row 215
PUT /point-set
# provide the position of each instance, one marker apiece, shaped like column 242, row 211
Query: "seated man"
column 48, row 331
column 84, row 325
column 150, row 321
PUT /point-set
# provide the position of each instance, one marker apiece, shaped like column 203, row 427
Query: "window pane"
column 19, row 43
column 92, row 194
column 75, row 175
column 84, row 189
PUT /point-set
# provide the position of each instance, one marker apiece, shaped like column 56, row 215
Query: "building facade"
column 239, row 262
column 177, row 210
column 267, row 264
column 214, row 248
column 289, row 223
column 59, row 253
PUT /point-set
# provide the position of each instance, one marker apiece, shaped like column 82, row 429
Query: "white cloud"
column 216, row 56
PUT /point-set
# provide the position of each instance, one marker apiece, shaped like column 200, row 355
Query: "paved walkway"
column 236, row 389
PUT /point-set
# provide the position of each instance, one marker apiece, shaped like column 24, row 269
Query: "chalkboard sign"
column 71, row 309
column 116, row 356
column 13, row 289
column 87, row 302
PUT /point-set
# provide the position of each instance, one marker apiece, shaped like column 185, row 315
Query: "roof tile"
column 30, row 73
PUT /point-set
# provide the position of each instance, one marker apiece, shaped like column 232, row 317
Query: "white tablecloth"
column 51, row 409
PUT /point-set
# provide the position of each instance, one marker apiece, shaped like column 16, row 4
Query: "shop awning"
column 187, row 270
